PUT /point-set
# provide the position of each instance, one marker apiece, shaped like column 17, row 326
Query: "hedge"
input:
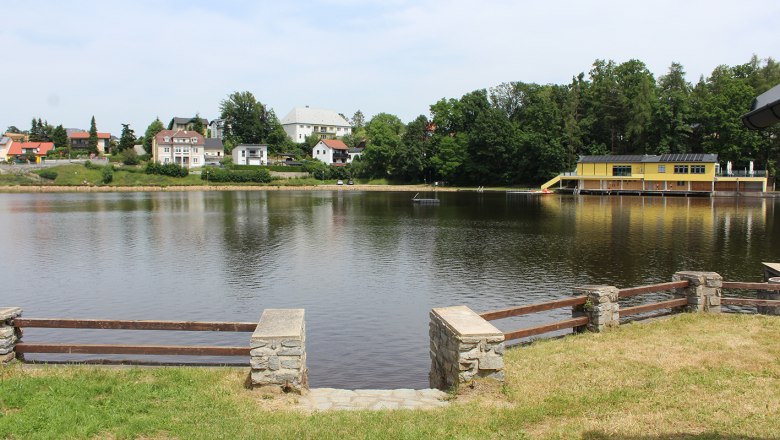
column 257, row 175
column 168, row 169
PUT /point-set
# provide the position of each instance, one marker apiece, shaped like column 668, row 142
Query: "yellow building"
column 657, row 174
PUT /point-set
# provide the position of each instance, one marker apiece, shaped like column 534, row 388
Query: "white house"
column 214, row 150
column 183, row 147
column 331, row 151
column 217, row 128
column 250, row 154
column 305, row 121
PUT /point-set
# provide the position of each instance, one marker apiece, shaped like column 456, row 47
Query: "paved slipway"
column 324, row 399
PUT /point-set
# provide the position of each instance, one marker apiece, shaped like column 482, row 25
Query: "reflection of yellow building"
column 647, row 174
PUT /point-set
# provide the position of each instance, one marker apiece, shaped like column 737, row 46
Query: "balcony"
column 742, row 173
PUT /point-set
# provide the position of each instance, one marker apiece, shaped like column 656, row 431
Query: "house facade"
column 5, row 145
column 250, row 154
column 214, row 151
column 19, row 149
column 182, row 147
column 331, row 152
column 79, row 140
column 217, row 129
column 185, row 124
column 305, row 121
column 665, row 173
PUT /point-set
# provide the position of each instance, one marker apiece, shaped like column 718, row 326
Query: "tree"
column 151, row 131
column 127, row 139
column 60, row 138
column 384, row 137
column 12, row 129
column 40, row 131
column 197, row 124
column 672, row 113
column 93, row 139
column 247, row 121
column 358, row 121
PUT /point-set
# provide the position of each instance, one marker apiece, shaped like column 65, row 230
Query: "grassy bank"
column 687, row 377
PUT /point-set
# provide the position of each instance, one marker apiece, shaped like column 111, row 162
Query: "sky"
column 131, row 61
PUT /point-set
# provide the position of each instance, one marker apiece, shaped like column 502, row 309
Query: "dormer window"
column 167, row 139
column 194, row 140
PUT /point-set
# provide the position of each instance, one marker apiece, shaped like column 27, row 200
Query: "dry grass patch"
column 691, row 374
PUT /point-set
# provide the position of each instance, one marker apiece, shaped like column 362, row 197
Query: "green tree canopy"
column 151, row 131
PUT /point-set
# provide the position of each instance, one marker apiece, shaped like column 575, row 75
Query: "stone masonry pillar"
column 601, row 308
column 703, row 292
column 8, row 334
column 771, row 295
column 278, row 350
column 463, row 346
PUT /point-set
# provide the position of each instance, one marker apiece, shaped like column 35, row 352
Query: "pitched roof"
column 335, row 144
column 17, row 148
column 85, row 135
column 318, row 116
column 213, row 143
column 178, row 134
column 178, row 120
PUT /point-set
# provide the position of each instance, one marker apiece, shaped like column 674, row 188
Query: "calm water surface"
column 367, row 267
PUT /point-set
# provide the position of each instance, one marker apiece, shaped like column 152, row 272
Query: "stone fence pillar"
column 704, row 290
column 602, row 308
column 463, row 346
column 278, row 350
column 8, row 334
column 771, row 295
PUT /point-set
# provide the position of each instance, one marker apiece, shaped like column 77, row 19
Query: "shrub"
column 258, row 175
column 130, row 157
column 108, row 174
column 168, row 169
column 48, row 174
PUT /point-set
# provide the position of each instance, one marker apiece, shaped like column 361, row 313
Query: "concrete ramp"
column 551, row 182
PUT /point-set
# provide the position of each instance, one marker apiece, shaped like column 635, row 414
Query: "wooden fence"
column 107, row 324
column 579, row 322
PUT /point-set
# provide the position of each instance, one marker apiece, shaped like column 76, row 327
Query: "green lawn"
column 692, row 376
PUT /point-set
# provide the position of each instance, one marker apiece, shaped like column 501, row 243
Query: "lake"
column 366, row 266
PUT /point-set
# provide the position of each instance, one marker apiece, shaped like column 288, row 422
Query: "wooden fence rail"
column 117, row 324
column 750, row 286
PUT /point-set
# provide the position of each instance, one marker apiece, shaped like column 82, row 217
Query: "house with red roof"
column 331, row 152
column 19, row 149
column 79, row 140
column 182, row 147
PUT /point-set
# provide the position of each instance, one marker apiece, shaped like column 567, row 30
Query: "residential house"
column 250, row 154
column 5, row 145
column 217, row 128
column 185, row 124
column 79, row 140
column 305, row 121
column 17, row 137
column 657, row 174
column 356, row 152
column 214, row 150
column 331, row 151
column 182, row 147
column 39, row 149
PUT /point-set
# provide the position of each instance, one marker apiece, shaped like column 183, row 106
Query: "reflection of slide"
column 551, row 182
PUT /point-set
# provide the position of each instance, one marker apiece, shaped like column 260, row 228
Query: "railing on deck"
column 732, row 301
column 111, row 324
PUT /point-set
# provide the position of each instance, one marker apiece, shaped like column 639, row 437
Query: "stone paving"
column 324, row 399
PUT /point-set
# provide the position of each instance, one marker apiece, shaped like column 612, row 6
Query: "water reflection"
column 367, row 267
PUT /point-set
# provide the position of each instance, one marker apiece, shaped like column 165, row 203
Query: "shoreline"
column 181, row 188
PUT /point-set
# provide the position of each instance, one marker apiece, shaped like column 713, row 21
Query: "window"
column 621, row 170
column 697, row 169
column 167, row 150
column 194, row 150
column 661, row 168
column 300, row 126
column 194, row 140
column 681, row 169
column 167, row 139
column 194, row 160
column 166, row 160
column 177, row 150
column 243, row 153
column 300, row 136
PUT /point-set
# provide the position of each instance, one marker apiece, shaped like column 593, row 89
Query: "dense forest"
column 517, row 132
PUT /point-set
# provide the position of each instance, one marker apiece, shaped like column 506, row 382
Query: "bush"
column 168, row 169
column 258, row 175
column 108, row 174
column 90, row 166
column 48, row 174
column 130, row 157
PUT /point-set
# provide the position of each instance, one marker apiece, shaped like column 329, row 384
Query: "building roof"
column 647, row 158
column 178, row 120
column 314, row 116
column 4, row 140
column 335, row 144
column 85, row 135
column 765, row 110
column 213, row 143
column 41, row 148
column 160, row 137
